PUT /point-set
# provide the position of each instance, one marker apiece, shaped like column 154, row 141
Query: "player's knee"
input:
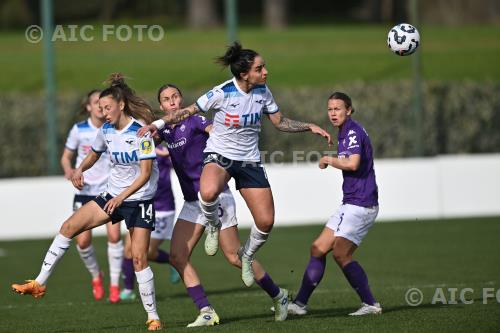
column 234, row 260
column 209, row 193
column 84, row 243
column 315, row 251
column 177, row 259
column 140, row 261
column 341, row 259
column 265, row 224
column 113, row 238
column 67, row 230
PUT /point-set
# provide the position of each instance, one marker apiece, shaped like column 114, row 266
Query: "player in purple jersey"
column 79, row 141
column 186, row 142
column 131, row 187
column 165, row 212
column 232, row 150
column 345, row 229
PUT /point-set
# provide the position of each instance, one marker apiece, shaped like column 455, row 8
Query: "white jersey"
column 126, row 151
column 237, row 123
column 80, row 139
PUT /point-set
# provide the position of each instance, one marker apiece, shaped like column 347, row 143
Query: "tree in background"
column 202, row 14
column 276, row 14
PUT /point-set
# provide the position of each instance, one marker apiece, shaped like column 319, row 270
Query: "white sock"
column 90, row 260
column 57, row 249
column 210, row 211
column 147, row 291
column 255, row 241
column 115, row 258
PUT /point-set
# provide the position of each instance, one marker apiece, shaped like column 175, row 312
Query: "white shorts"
column 352, row 222
column 164, row 225
column 191, row 211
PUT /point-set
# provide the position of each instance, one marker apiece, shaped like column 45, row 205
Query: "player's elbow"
column 353, row 167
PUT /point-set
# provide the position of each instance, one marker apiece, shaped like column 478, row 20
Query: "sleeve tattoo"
column 181, row 114
column 289, row 125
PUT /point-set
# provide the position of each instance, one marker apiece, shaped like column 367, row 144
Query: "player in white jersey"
column 129, row 195
column 232, row 150
column 79, row 141
column 186, row 142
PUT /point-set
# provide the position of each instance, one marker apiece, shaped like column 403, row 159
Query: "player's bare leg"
column 140, row 243
column 261, row 204
column 314, row 271
column 185, row 237
column 343, row 250
column 230, row 245
column 87, row 217
column 212, row 182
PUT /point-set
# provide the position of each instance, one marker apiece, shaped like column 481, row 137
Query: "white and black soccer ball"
column 403, row 39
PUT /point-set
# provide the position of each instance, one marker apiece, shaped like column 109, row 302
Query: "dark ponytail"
column 238, row 59
column 135, row 106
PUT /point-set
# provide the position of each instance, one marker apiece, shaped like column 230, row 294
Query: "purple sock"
column 197, row 294
column 312, row 277
column 359, row 281
column 128, row 273
column 163, row 257
column 268, row 285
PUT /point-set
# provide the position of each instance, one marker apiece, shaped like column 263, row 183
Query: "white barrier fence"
column 409, row 189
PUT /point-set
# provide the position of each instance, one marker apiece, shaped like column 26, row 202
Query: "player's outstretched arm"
column 87, row 163
column 169, row 118
column 146, row 167
column 288, row 125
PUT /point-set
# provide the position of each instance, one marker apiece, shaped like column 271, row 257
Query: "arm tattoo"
column 181, row 114
column 289, row 125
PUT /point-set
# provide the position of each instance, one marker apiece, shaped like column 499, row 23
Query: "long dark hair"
column 135, row 106
column 238, row 59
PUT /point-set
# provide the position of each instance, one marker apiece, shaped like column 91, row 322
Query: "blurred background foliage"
column 311, row 48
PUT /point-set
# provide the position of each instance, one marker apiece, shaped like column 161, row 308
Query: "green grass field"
column 427, row 255
column 297, row 57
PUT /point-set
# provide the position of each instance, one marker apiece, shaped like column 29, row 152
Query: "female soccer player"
column 232, row 149
column 129, row 195
column 80, row 140
column 346, row 229
column 165, row 213
column 186, row 142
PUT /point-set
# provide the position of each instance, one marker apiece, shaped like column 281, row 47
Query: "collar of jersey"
column 345, row 128
column 126, row 126
column 239, row 89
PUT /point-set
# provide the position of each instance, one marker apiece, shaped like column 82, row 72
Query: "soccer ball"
column 403, row 39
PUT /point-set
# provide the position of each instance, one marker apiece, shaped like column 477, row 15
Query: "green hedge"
column 458, row 117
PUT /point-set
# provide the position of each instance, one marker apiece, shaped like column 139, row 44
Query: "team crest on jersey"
column 183, row 128
column 146, row 147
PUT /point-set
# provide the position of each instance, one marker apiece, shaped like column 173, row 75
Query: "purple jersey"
column 186, row 142
column 164, row 197
column 359, row 187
